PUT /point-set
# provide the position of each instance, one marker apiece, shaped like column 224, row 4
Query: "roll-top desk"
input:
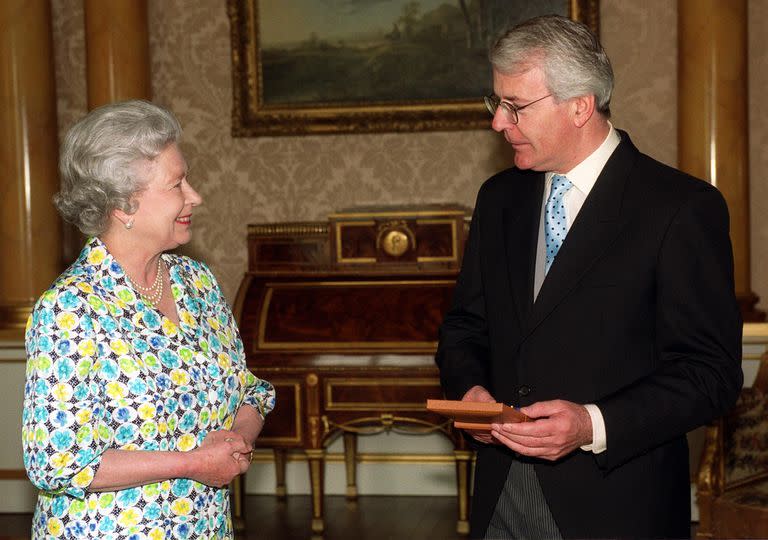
column 342, row 317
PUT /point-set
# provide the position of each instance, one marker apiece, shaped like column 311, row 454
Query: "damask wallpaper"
column 305, row 178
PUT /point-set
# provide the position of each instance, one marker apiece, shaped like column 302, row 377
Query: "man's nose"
column 500, row 121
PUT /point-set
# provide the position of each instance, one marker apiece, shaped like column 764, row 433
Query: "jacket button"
column 524, row 390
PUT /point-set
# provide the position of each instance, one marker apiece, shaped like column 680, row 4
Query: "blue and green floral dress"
column 106, row 370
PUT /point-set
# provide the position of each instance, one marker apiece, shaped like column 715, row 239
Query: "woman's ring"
column 229, row 439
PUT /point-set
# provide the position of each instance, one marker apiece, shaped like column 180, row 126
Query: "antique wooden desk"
column 342, row 317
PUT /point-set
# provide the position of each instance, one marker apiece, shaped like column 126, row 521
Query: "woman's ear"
column 123, row 217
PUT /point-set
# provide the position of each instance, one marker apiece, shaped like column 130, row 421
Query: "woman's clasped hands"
column 222, row 456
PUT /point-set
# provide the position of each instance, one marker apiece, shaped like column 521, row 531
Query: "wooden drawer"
column 383, row 394
column 284, row 425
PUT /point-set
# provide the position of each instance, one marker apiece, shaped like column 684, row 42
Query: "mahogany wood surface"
column 342, row 317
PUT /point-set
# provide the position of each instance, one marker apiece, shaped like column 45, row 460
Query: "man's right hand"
column 478, row 393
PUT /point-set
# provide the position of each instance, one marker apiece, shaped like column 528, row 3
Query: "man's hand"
column 478, row 393
column 557, row 428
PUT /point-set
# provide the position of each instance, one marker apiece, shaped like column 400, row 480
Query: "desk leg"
column 350, row 461
column 316, row 459
column 280, row 490
column 463, row 468
column 237, row 499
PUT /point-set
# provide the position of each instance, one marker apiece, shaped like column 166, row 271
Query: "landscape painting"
column 338, row 66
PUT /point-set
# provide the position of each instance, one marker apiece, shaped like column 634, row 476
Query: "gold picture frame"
column 255, row 115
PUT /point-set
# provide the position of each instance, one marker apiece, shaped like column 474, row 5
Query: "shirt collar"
column 584, row 175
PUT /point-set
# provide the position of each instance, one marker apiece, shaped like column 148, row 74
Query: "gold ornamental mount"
column 395, row 238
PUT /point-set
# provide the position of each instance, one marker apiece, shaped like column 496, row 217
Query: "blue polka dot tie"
column 556, row 226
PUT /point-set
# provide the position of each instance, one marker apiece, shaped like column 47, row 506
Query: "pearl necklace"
column 154, row 293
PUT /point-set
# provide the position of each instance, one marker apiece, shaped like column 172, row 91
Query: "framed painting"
column 361, row 66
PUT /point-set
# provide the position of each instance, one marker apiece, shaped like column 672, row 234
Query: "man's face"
column 543, row 135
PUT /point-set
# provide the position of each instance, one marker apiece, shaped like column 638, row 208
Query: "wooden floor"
column 370, row 518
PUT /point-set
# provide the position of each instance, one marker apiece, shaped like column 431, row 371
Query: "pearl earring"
column 129, row 224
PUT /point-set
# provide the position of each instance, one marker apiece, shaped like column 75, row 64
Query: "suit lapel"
column 521, row 226
column 599, row 222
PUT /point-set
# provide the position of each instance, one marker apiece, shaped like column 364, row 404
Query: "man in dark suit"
column 597, row 294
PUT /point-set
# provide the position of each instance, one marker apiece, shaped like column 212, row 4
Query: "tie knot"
column 560, row 184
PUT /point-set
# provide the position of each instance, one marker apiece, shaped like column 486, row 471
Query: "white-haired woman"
column 138, row 406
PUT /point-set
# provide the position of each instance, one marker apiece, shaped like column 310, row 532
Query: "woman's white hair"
column 99, row 157
column 570, row 55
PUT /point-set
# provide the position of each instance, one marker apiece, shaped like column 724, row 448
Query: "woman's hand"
column 233, row 436
column 222, row 456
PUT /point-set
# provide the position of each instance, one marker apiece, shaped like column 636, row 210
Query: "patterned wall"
column 305, row 178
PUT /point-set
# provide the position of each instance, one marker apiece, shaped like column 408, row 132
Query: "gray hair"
column 99, row 156
column 570, row 55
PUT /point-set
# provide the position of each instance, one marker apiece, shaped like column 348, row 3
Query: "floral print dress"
column 106, row 370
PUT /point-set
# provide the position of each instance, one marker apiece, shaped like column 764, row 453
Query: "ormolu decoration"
column 395, row 238
column 342, row 317
column 733, row 473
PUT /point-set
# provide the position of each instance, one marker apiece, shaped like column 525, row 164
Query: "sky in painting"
column 282, row 22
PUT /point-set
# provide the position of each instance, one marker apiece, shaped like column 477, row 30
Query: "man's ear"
column 583, row 109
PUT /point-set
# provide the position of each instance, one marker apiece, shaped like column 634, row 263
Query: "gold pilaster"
column 30, row 230
column 712, row 116
column 117, row 51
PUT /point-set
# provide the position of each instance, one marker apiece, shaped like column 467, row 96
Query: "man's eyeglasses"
column 510, row 110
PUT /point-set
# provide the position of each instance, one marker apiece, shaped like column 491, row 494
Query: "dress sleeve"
column 64, row 429
column 259, row 393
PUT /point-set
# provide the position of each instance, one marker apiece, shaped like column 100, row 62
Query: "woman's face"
column 164, row 216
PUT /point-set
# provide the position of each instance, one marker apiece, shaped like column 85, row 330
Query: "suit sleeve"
column 463, row 350
column 698, row 337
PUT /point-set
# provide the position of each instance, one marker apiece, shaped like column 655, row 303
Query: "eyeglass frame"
column 493, row 102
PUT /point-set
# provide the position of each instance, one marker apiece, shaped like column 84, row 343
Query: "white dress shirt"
column 583, row 177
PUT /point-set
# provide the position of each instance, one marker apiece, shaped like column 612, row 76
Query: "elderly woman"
column 138, row 406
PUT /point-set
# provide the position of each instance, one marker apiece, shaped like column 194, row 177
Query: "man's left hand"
column 556, row 429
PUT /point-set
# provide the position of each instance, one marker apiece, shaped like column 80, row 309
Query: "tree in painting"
column 380, row 51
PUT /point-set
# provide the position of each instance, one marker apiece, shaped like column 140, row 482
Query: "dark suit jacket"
column 637, row 315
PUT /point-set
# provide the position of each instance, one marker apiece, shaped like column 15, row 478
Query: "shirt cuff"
column 599, row 439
